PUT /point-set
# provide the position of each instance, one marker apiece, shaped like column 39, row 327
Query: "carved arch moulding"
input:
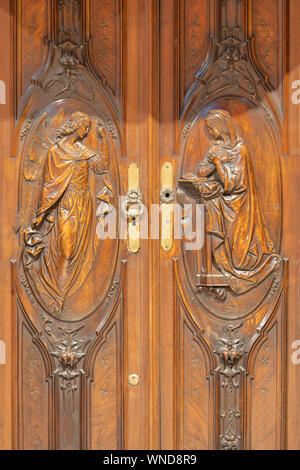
column 68, row 280
column 231, row 136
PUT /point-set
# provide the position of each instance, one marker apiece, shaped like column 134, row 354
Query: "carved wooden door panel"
column 229, row 129
column 127, row 326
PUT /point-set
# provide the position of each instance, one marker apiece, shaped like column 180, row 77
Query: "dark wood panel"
column 35, row 393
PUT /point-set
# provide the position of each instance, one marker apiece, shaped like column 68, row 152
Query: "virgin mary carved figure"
column 241, row 247
column 61, row 240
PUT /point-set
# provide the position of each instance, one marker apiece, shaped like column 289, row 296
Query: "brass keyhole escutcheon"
column 133, row 379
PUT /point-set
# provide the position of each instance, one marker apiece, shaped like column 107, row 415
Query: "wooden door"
column 122, row 329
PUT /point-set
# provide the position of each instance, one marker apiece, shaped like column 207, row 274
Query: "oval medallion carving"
column 230, row 165
column 68, row 190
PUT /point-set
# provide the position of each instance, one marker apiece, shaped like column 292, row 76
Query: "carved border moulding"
column 68, row 142
column 231, row 349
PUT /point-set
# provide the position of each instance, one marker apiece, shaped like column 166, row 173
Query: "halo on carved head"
column 223, row 121
column 73, row 123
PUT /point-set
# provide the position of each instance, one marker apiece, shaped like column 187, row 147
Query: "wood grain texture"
column 215, row 371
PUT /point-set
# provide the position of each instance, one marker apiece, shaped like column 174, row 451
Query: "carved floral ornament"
column 69, row 352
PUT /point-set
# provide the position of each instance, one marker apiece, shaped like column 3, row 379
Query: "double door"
column 149, row 249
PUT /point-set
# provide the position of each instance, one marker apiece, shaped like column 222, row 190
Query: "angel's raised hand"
column 101, row 131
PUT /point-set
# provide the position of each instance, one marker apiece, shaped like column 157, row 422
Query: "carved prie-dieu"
column 238, row 253
column 60, row 238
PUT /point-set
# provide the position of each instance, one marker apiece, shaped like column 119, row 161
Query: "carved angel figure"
column 241, row 246
column 60, row 241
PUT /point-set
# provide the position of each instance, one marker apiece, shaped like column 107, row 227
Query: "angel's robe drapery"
column 242, row 248
column 66, row 201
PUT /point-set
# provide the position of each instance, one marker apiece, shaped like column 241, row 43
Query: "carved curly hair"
column 73, row 123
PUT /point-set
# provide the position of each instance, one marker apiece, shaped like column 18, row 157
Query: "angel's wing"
column 31, row 173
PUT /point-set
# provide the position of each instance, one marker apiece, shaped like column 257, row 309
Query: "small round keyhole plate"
column 133, row 379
